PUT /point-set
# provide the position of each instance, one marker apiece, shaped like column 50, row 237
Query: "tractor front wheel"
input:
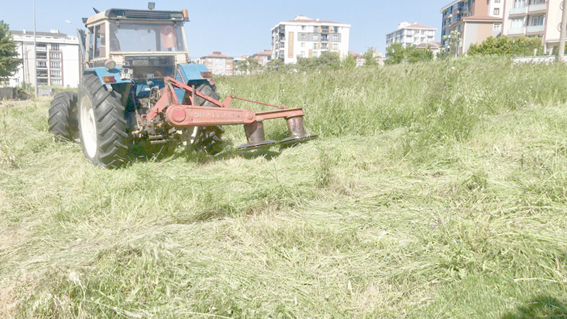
column 102, row 124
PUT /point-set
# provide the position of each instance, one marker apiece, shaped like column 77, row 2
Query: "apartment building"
column 306, row 37
column 57, row 63
column 263, row 57
column 531, row 18
column 218, row 63
column 475, row 20
column 411, row 34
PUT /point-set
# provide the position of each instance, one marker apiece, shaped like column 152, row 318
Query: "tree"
column 397, row 54
column 250, row 65
column 275, row 65
column 506, row 45
column 8, row 54
column 349, row 62
column 369, row 57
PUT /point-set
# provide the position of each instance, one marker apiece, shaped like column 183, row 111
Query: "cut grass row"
column 433, row 193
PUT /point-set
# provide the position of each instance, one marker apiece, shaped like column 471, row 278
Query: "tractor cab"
column 146, row 44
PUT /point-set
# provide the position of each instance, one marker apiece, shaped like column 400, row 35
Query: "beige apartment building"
column 263, row 57
column 541, row 18
column 475, row 20
column 218, row 63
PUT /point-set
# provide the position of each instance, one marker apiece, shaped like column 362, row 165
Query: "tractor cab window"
column 91, row 43
column 100, row 41
column 138, row 37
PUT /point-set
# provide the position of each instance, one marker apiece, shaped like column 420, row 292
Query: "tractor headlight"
column 110, row 65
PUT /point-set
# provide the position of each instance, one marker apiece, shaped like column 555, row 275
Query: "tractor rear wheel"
column 102, row 124
column 63, row 116
column 208, row 138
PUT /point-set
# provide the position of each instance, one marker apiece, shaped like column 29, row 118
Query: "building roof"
column 355, row 54
column 264, row 53
column 420, row 26
column 44, row 34
column 301, row 19
column 216, row 54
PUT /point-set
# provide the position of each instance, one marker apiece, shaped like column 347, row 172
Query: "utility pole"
column 34, row 50
column 561, row 52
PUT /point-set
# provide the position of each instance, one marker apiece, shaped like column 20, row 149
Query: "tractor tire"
column 208, row 138
column 63, row 121
column 102, row 124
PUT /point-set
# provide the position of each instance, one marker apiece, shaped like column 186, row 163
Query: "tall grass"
column 435, row 191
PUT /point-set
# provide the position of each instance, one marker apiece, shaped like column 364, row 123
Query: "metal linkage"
column 183, row 116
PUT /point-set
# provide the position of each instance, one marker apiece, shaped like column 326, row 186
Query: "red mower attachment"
column 188, row 114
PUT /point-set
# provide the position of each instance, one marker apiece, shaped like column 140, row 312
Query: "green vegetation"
column 507, row 46
column 397, row 54
column 436, row 190
column 9, row 61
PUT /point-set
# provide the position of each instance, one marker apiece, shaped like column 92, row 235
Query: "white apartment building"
column 58, row 59
column 541, row 18
column 306, row 37
column 411, row 34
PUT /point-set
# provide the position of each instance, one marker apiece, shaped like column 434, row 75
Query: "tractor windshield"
column 139, row 37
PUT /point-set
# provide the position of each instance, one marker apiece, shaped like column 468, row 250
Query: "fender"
column 102, row 72
column 192, row 72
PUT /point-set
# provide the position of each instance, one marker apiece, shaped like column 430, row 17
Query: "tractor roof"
column 127, row 14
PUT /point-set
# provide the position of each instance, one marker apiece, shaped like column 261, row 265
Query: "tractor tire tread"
column 112, row 139
column 62, row 120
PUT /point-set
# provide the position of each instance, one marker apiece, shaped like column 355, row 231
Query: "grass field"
column 435, row 190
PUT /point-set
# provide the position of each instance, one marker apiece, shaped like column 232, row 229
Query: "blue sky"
column 239, row 27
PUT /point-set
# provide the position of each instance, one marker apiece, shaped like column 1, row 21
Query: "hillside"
column 435, row 190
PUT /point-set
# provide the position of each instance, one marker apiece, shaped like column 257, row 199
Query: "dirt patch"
column 8, row 301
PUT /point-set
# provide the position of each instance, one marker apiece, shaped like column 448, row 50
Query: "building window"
column 302, row 54
column 55, row 73
column 517, row 23
column 303, row 27
column 324, row 46
column 335, row 46
column 497, row 1
column 315, row 37
column 537, row 21
column 315, row 46
column 316, row 29
column 55, row 47
column 303, row 44
column 335, row 38
column 41, row 64
column 55, row 56
column 519, row 3
column 55, row 64
column 56, row 82
column 497, row 27
column 302, row 36
column 496, row 11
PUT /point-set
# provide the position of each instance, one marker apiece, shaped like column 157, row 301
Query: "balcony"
column 537, row 7
column 519, row 11
column 516, row 31
column 536, row 28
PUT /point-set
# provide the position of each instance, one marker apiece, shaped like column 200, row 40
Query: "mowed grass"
column 435, row 191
